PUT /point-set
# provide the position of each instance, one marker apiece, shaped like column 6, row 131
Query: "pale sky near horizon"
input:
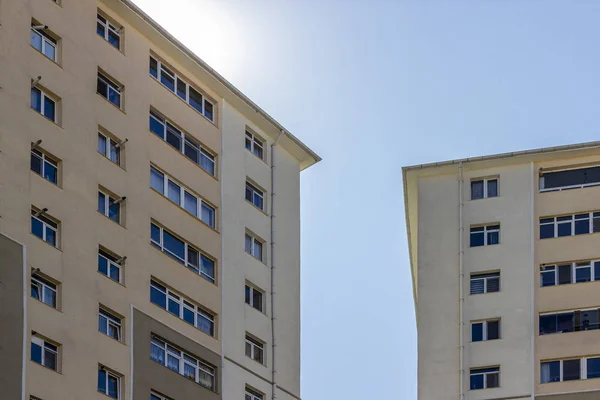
column 372, row 86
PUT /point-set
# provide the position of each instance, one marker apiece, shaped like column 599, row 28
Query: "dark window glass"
column 207, row 267
column 101, row 202
column 102, row 87
column 565, row 322
column 571, row 370
column 547, row 324
column 36, row 99
column 564, row 228
column 597, row 271
column 37, row 228
column 36, row 162
column 36, row 353
column 476, row 190
column 493, row 238
column 583, row 274
column 588, row 320
column 546, row 231
column 477, row 286
column 564, row 274
column 257, row 299
column 181, row 89
column 166, row 77
column 493, row 380
column 157, row 126
column 550, row 372
column 173, row 137
column 477, row 237
column 208, row 110
column 477, row 332
column 582, row 224
column 153, row 67
column 155, row 233
column 492, row 188
column 476, row 382
column 188, row 315
column 593, row 368
column 157, row 296
column 195, row 100
column 548, row 278
column 493, row 330
column 100, row 29
column 493, row 285
column 49, row 108
column 596, row 223
column 563, row 178
column 50, row 172
column 114, row 39
column 102, row 265
column 246, row 293
column 174, row 245
column 191, row 151
column 173, row 307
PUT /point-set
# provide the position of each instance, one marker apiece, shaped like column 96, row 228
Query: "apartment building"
column 149, row 216
column 505, row 262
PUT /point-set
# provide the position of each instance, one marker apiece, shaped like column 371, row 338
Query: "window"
column 253, row 395
column 485, row 235
column 182, row 308
column 44, row 165
column 44, row 228
column 571, row 321
column 254, row 144
column 182, row 252
column 109, row 89
column 43, row 103
column 109, row 324
column 485, row 283
column 254, row 247
column 109, row 206
column 156, row 396
column 570, row 179
column 43, row 42
column 43, row 290
column 575, row 272
column 109, row 148
column 570, row 225
column 484, row 188
column 44, row 352
column 254, row 349
column 485, row 378
column 108, row 31
column 181, row 88
column 109, row 265
column 569, row 370
column 182, row 196
column 254, row 297
column 485, row 330
column 109, row 383
column 183, row 142
column 183, row 363
column 254, row 195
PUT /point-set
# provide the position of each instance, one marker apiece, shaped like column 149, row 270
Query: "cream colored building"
column 505, row 260
column 149, row 216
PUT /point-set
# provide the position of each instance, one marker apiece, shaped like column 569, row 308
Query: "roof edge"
column 310, row 153
column 569, row 147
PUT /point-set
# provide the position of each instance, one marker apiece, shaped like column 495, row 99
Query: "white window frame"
column 255, row 142
column 486, row 231
column 46, row 40
column 185, row 302
column 485, row 187
column 256, row 348
column 485, row 374
column 42, row 343
column 478, row 276
column 110, row 142
column 108, row 26
column 187, row 246
column 105, row 255
column 111, row 320
column 582, row 368
column 253, row 395
column 108, row 201
column 176, row 78
column 200, row 202
column 48, row 226
column 484, row 329
column 255, row 191
column 184, row 359
column 559, row 188
column 108, row 374
column 185, row 138
column 575, row 265
column 254, row 244
column 43, row 287
column 110, row 84
column 44, row 158
column 590, row 217
column 250, row 301
column 43, row 97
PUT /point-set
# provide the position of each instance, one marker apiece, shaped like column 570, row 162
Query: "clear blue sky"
column 373, row 86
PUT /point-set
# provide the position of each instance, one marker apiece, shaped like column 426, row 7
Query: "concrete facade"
column 72, row 202
column 437, row 214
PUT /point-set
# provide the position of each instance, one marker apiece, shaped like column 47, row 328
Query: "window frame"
column 590, row 216
column 108, row 27
column 46, row 39
column 255, row 243
column 204, row 153
column 110, row 84
column 108, row 144
column 45, row 346
column 44, row 159
column 488, row 371
column 576, row 318
column 486, row 230
column 249, row 299
column 111, row 262
column 256, row 349
column 252, row 141
column 567, row 187
column 187, row 246
column 113, row 321
column 109, row 201
column 109, row 374
column 46, row 222
column 486, row 182
column 583, row 368
column 184, row 358
column 251, row 394
column 43, row 285
column 170, row 71
column 183, row 302
column 485, row 329
column 573, row 267
column 200, row 202
column 43, row 97
column 255, row 191
column 485, row 276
